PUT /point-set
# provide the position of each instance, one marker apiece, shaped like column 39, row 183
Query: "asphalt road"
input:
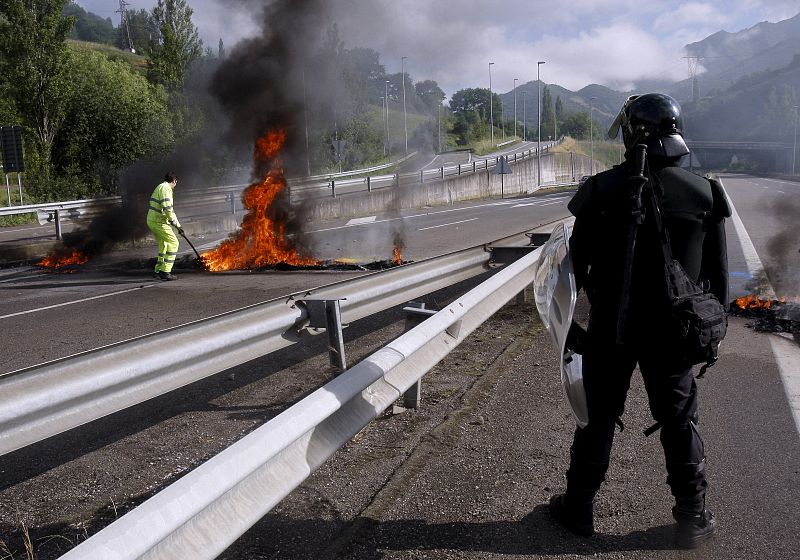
column 466, row 476
column 47, row 316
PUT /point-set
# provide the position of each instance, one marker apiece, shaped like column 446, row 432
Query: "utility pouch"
column 698, row 320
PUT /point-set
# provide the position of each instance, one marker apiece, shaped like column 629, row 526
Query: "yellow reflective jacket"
column 162, row 205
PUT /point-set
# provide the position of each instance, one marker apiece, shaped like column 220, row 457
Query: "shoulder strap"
column 656, row 189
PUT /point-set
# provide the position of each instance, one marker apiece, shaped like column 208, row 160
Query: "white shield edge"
column 555, row 295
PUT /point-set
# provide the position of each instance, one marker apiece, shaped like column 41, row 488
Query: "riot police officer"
column 694, row 209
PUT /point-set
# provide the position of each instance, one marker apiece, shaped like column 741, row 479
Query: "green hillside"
column 137, row 62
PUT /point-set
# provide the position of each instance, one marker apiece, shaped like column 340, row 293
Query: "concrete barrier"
column 556, row 169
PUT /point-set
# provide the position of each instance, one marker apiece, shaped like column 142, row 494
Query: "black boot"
column 694, row 526
column 577, row 515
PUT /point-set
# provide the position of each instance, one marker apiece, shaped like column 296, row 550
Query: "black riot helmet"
column 653, row 119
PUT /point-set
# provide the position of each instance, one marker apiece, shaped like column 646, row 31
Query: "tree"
column 176, row 43
column 115, row 117
column 33, row 58
column 576, row 125
column 142, row 30
column 430, row 93
column 90, row 27
column 559, row 110
column 547, row 114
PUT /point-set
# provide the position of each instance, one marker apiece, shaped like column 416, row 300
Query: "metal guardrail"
column 204, row 512
column 39, row 402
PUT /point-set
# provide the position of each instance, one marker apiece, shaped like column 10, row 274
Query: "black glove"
column 576, row 338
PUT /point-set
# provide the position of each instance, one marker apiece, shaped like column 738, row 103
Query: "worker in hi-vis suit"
column 161, row 219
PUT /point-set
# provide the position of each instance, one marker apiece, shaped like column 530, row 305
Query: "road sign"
column 11, row 146
column 502, row 167
column 338, row 147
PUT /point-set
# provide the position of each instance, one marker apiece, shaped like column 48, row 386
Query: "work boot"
column 167, row 276
column 577, row 516
column 693, row 527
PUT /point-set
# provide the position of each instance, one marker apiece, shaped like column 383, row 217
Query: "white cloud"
column 612, row 42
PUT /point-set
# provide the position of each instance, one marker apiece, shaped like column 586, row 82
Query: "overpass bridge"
column 777, row 156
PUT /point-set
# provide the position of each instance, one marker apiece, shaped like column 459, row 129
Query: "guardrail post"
column 369, row 184
column 486, row 162
column 459, row 169
column 572, row 165
column 415, row 314
column 58, row 223
column 473, row 167
column 443, row 172
column 333, row 187
column 326, row 314
column 233, row 204
column 422, row 176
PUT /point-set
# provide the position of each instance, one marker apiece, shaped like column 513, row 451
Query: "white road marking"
column 78, row 301
column 551, row 203
column 450, row 224
column 785, row 352
column 360, row 221
column 417, row 215
column 782, row 192
column 526, row 204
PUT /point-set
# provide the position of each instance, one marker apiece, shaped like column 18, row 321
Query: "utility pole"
column 794, row 150
column 491, row 113
column 405, row 123
column 383, row 118
column 539, row 124
column 591, row 130
column 123, row 11
column 305, row 117
column 515, row 106
column 388, row 143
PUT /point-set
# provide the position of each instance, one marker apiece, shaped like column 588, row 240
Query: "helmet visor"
column 621, row 119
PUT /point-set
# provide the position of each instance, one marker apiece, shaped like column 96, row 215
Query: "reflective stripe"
column 159, row 200
column 155, row 210
column 169, row 253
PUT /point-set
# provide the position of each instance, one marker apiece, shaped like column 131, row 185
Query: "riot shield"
column 555, row 294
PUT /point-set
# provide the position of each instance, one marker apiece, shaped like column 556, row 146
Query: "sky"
column 609, row 42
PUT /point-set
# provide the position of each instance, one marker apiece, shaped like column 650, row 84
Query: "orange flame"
column 58, row 262
column 397, row 255
column 260, row 241
column 753, row 302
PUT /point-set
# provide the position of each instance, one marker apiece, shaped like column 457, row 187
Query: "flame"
column 58, row 262
column 260, row 241
column 397, row 255
column 753, row 302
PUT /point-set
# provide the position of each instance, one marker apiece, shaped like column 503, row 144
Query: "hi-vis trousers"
column 167, row 242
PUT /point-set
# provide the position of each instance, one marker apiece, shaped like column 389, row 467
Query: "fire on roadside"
column 261, row 240
column 755, row 302
column 63, row 262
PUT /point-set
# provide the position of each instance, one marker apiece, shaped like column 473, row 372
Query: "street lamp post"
column 388, row 143
column 591, row 131
column 515, row 106
column 539, row 124
column 794, row 150
column 383, row 117
column 405, row 122
column 440, row 127
column 491, row 111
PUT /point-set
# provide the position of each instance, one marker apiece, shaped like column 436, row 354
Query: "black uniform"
column 694, row 212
